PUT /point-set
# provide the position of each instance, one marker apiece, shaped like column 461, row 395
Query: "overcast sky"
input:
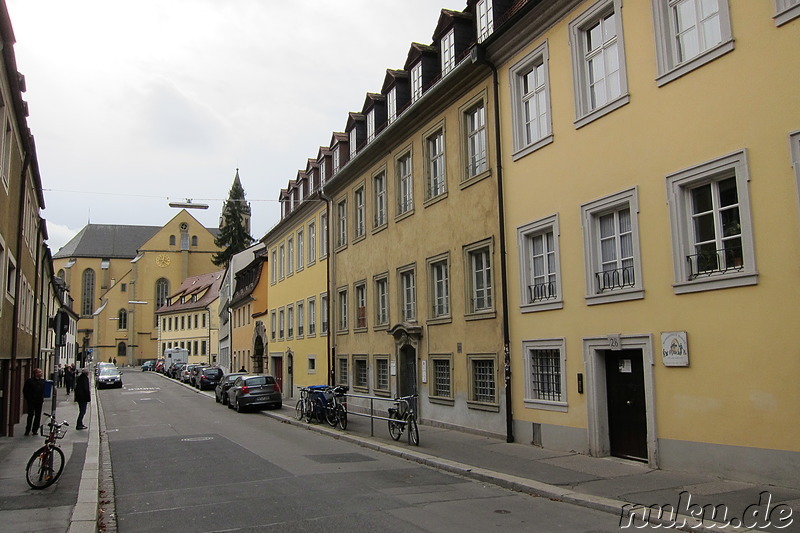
column 137, row 103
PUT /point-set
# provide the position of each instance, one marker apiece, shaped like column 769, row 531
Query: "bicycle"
column 336, row 410
column 305, row 408
column 403, row 415
column 46, row 464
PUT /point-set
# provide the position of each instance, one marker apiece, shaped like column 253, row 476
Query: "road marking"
column 197, row 439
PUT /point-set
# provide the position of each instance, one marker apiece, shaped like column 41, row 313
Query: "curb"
column 84, row 516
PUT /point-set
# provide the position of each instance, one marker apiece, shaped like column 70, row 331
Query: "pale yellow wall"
column 189, row 334
column 739, row 387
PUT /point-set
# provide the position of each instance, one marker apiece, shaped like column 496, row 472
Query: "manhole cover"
column 502, row 511
column 197, row 439
column 340, row 458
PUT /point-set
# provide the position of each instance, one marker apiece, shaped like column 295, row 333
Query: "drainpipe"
column 329, row 276
column 479, row 56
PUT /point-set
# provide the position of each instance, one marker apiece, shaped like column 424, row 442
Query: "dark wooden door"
column 627, row 411
column 277, row 372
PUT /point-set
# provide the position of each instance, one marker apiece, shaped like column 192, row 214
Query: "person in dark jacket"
column 33, row 391
column 82, row 394
column 69, row 378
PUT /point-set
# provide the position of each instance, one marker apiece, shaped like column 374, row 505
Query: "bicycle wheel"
column 341, row 415
column 44, row 467
column 413, row 431
column 331, row 414
column 395, row 428
column 300, row 410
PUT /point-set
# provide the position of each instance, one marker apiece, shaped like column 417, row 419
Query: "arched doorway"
column 258, row 356
column 407, row 371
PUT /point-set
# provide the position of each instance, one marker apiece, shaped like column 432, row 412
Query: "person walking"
column 82, row 394
column 33, row 391
column 60, row 376
column 69, row 378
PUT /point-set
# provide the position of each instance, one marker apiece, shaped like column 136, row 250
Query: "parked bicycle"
column 305, row 408
column 45, row 466
column 336, row 408
column 402, row 416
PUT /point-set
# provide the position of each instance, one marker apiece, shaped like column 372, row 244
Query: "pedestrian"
column 82, row 394
column 69, row 378
column 60, row 377
column 243, row 369
column 33, row 391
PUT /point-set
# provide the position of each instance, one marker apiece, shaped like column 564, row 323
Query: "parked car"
column 208, row 378
column 160, row 366
column 108, row 377
column 175, row 371
column 101, row 366
column 186, row 373
column 148, row 365
column 221, row 390
column 254, row 391
column 196, row 371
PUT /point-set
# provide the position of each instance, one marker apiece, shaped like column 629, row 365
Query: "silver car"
column 254, row 391
column 108, row 377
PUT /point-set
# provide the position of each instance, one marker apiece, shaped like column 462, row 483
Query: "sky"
column 135, row 104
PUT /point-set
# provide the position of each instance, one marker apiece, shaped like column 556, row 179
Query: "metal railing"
column 615, row 279
column 371, row 414
column 713, row 262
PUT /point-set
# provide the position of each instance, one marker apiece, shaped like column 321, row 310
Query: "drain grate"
column 340, row 458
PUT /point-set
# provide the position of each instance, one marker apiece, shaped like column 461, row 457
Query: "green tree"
column 234, row 225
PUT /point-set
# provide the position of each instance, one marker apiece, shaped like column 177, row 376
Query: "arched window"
column 194, row 240
column 122, row 319
column 172, row 240
column 87, row 293
column 122, row 350
column 162, row 292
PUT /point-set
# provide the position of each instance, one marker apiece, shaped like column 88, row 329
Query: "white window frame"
column 301, row 318
column 404, row 170
column 341, row 223
column 786, row 10
column 360, row 306
column 590, row 215
column 370, row 126
column 381, row 377
column 289, row 256
column 341, row 300
column 439, row 287
column 312, row 317
column 475, row 139
column 678, row 186
column 300, row 250
column 6, row 141
column 312, row 243
column 484, row 14
column 323, row 171
column 281, row 323
column 435, row 167
column 379, row 199
column 273, row 322
column 525, row 236
column 391, row 104
column 381, row 283
column 486, row 249
column 289, row 321
column 360, row 212
column 537, row 59
column 670, row 66
column 3, row 260
column 323, row 235
column 578, row 28
column 337, row 158
column 342, row 370
column 281, row 261
column 274, row 267
column 407, row 293
column 448, row 52
column 325, row 313
column 531, row 400
column 358, row 360
column 416, row 82
column 353, row 141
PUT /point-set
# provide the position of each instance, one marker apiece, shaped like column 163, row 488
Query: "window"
column 689, row 34
column 353, row 142
column 312, row 317
column 439, row 275
column 442, row 373
column 194, row 240
column 172, row 240
column 289, row 321
column 122, row 349
column 371, row 125
column 405, row 185
column 281, row 260
column 300, row 250
column 87, row 292
column 323, row 235
column 434, row 146
column 391, row 103
column 5, row 154
column 483, row 385
column 324, row 308
column 203, row 348
column 289, row 256
column 485, row 18
column 3, row 268
column 342, row 297
column 273, row 321
column 786, row 10
column 122, row 319
column 382, row 301
column 336, row 159
column 323, row 171
column 478, row 259
column 598, row 61
column 312, row 364
column 545, row 382
column 794, row 149
column 611, row 248
column 382, row 373
column 360, row 373
column 361, row 305
column 379, row 190
column 475, row 138
column 342, row 374
column 312, row 243
column 530, row 94
column 712, row 236
column 448, row 52
column 408, row 295
column 539, row 265
column 203, row 320
column 416, row 82
column 281, row 322
column 301, row 318
column 274, row 266
column 358, row 199
column 341, row 223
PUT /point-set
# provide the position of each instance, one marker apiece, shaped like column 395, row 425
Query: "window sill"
column 383, row 393
column 547, row 305
column 541, row 143
column 360, row 330
column 359, row 238
column 468, row 182
column 340, row 247
column 381, row 327
column 311, row 335
column 712, row 283
column 684, row 68
column 342, row 332
column 380, row 228
column 438, row 198
column 785, row 16
column 559, row 407
column 299, row 269
column 311, row 263
column 481, row 406
column 403, row 215
column 615, row 296
column 357, row 388
column 594, row 114
column 439, row 400
column 439, row 320
column 481, row 315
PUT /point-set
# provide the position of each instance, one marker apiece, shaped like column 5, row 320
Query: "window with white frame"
column 408, row 295
column 281, row 322
column 273, row 268
column 786, row 10
column 323, row 171
column 439, row 275
column 312, row 364
column 434, row 151
column 289, row 256
column 382, row 300
column 5, row 146
column 483, row 380
column 441, row 385
column 289, row 321
column 539, row 265
column 475, row 140
column 273, row 324
column 484, row 14
column 598, row 61
column 342, row 371
column 371, row 125
column 689, row 33
column 382, row 373
column 353, row 142
column 379, row 191
column 301, row 318
column 361, row 305
column 416, row 82
column 448, row 52
column 312, row 316
column 300, row 250
column 478, row 259
column 391, row 104
column 341, row 223
column 122, row 319
column 358, row 200
column 712, row 235
column 323, row 235
column 336, row 158
column 312, row 242
column 342, row 299
column 530, row 94
column 281, row 260
column 405, row 184
column 360, row 372
column 611, row 248
column 324, row 309
column 545, row 370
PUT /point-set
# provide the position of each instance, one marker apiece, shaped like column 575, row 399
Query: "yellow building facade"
column 248, row 312
column 652, row 228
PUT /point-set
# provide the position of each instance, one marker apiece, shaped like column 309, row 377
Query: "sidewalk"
column 71, row 503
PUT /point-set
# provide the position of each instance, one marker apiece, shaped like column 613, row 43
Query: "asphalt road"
column 182, row 462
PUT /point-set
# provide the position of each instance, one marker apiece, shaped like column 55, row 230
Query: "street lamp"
column 188, row 205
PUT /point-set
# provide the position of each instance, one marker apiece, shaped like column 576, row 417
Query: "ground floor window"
column 483, row 383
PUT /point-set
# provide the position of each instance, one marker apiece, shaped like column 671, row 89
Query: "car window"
column 260, row 380
column 108, row 371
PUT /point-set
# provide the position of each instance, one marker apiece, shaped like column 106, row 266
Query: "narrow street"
column 181, row 462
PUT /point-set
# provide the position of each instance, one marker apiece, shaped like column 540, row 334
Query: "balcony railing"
column 618, row 278
column 714, row 262
column 542, row 291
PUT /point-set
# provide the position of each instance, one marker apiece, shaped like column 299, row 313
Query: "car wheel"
column 229, row 404
column 238, row 406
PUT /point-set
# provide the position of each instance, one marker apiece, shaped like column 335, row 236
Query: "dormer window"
column 448, row 52
column 416, row 82
column 323, row 171
column 485, row 19
column 336, row 159
column 353, row 143
column 391, row 102
column 370, row 126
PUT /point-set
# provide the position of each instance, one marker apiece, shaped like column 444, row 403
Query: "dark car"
column 148, row 365
column 186, row 373
column 208, row 378
column 221, row 390
column 253, row 391
column 175, row 370
column 108, row 377
column 196, row 373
